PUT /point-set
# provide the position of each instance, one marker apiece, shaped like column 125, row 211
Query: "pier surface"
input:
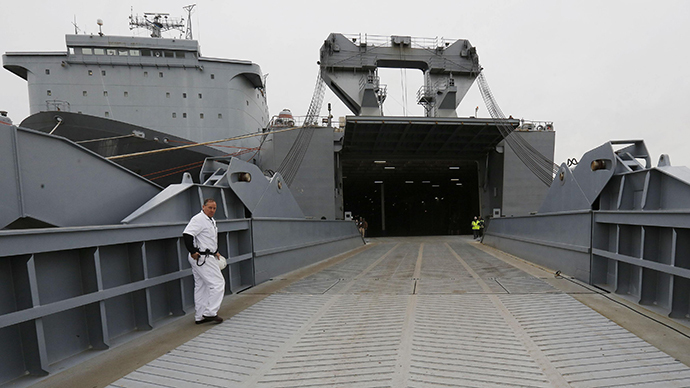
column 409, row 312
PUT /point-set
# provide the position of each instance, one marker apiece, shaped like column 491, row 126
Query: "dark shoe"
column 215, row 320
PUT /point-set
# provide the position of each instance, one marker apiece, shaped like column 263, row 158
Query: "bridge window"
column 167, row 95
column 145, row 53
column 169, row 54
column 160, row 74
column 184, row 115
column 126, row 94
column 184, row 95
column 90, row 72
column 48, row 92
column 213, row 76
column 134, row 53
column 99, row 51
column 84, row 93
column 146, row 74
column 220, row 115
column 103, row 73
column 199, row 95
column 111, row 52
column 123, row 52
column 174, row 115
column 86, row 51
column 180, row 54
column 71, row 50
column 201, row 115
column 47, row 71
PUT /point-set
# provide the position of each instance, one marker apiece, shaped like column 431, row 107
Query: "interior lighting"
column 389, row 168
column 409, row 181
column 458, row 184
column 378, row 181
column 454, row 179
column 380, row 161
column 453, row 168
column 426, row 181
column 435, row 186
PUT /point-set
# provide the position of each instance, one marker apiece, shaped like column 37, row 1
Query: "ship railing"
column 535, row 125
column 277, row 122
column 388, row 41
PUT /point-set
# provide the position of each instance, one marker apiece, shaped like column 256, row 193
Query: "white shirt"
column 205, row 232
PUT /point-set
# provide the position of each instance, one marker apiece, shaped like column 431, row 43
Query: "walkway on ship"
column 423, row 312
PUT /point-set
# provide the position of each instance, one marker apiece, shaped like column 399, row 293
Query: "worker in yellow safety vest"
column 475, row 228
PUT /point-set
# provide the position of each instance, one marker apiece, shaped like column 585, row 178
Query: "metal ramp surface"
column 417, row 312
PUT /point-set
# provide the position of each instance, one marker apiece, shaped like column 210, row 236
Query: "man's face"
column 210, row 208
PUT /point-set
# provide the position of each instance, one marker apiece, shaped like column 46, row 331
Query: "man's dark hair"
column 207, row 200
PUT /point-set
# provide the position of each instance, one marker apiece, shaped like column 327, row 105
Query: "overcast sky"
column 600, row 70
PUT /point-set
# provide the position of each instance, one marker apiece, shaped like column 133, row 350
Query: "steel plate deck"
column 418, row 312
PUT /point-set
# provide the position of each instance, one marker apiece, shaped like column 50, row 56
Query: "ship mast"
column 189, row 8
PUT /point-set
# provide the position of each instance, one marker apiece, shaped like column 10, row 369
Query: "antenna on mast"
column 74, row 23
column 156, row 22
column 188, row 34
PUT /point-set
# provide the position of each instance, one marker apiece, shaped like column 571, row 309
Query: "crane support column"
column 349, row 66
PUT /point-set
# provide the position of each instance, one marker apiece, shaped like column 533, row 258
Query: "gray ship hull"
column 109, row 138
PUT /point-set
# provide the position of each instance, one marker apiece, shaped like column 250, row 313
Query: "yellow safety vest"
column 475, row 225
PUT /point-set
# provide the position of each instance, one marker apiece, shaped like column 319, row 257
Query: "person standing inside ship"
column 475, row 228
column 363, row 227
column 481, row 226
column 201, row 240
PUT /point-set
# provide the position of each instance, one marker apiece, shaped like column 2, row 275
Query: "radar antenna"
column 156, row 22
column 188, row 33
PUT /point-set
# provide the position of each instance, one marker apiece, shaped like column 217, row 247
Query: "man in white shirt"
column 201, row 239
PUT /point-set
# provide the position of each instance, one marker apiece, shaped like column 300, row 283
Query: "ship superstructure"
column 157, row 83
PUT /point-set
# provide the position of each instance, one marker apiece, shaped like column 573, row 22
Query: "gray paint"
column 523, row 192
column 103, row 285
column 283, row 245
column 229, row 93
column 629, row 235
column 314, row 186
column 57, row 182
column 349, row 66
column 69, row 292
column 506, row 183
column 559, row 241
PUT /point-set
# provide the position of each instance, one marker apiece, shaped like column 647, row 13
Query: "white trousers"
column 209, row 286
